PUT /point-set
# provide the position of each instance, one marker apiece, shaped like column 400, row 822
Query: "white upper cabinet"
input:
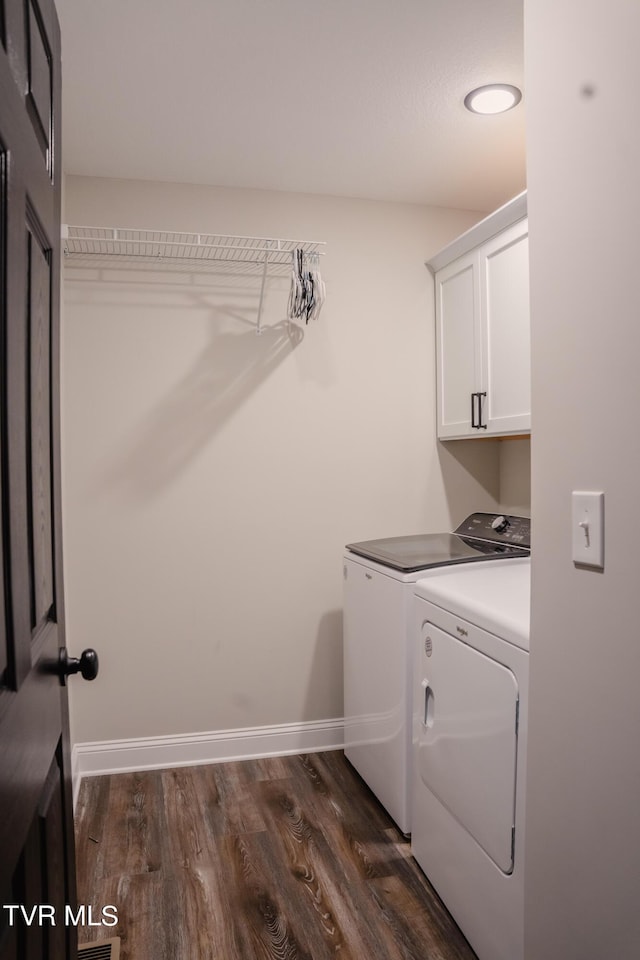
column 482, row 328
column 459, row 345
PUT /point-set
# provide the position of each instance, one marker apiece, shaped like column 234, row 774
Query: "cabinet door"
column 458, row 344
column 504, row 291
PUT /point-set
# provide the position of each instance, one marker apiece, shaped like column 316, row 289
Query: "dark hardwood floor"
column 290, row 858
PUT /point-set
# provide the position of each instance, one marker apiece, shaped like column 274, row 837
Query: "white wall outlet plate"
column 587, row 528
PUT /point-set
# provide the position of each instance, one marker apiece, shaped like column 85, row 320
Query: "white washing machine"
column 469, row 747
column 378, row 644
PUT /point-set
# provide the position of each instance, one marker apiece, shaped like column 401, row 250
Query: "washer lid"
column 425, row 550
column 493, row 596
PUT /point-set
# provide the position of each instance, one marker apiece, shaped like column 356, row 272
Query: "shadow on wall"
column 325, row 679
column 227, row 371
column 225, row 374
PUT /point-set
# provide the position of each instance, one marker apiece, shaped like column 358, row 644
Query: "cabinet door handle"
column 481, row 425
column 476, row 423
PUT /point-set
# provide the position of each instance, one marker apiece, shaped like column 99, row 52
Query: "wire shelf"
column 167, row 249
column 90, row 244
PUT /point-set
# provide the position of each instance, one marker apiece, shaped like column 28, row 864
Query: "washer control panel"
column 497, row 528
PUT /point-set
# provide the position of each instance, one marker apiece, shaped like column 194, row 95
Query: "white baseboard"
column 248, row 743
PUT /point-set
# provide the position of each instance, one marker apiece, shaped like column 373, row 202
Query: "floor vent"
column 102, row 950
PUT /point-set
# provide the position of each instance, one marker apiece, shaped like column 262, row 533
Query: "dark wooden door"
column 37, row 865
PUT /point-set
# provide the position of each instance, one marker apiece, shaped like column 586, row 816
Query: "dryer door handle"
column 429, row 704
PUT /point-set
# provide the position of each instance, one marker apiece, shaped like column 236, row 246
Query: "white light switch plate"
column 587, row 528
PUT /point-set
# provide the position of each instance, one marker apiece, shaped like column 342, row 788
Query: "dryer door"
column 466, row 707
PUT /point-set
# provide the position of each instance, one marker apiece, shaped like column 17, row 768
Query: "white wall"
column 515, row 476
column 583, row 796
column 212, row 477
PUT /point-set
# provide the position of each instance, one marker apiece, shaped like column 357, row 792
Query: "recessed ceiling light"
column 493, row 98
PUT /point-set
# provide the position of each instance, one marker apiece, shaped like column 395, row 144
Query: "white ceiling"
column 358, row 98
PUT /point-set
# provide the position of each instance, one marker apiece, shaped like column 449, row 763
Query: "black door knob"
column 87, row 665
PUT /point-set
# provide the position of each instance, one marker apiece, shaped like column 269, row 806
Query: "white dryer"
column 469, row 747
